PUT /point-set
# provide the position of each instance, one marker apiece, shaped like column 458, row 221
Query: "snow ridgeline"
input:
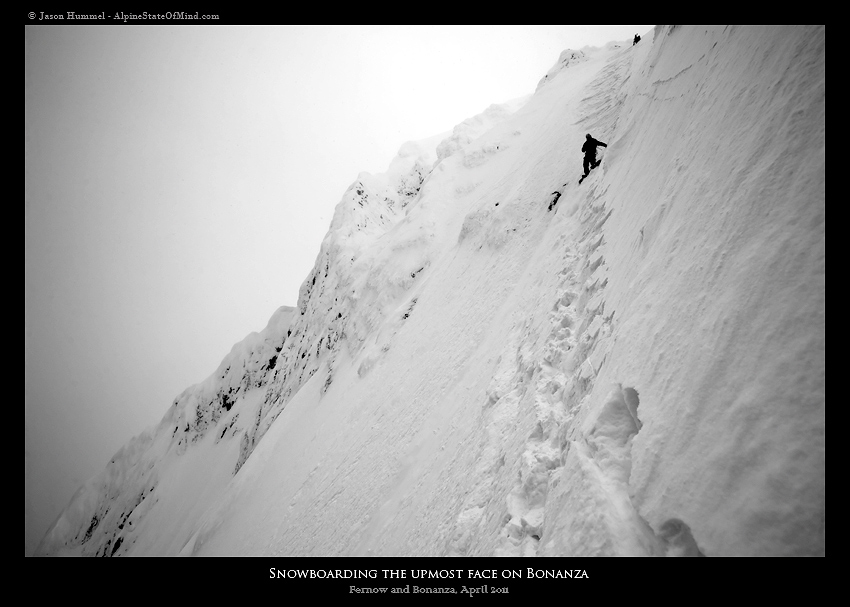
column 107, row 510
column 639, row 371
column 296, row 344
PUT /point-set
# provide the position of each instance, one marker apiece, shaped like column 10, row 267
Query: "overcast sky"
column 179, row 182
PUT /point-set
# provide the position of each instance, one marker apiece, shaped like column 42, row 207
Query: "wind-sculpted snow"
column 104, row 515
column 93, row 522
column 246, row 367
column 472, row 128
column 368, row 261
column 491, row 359
column 568, row 57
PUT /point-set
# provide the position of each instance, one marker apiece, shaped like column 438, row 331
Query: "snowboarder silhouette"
column 589, row 149
column 637, row 39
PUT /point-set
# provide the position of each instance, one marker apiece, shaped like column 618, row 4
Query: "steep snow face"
column 717, row 279
column 637, row 371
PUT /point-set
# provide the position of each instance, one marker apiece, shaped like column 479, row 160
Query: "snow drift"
column 639, row 371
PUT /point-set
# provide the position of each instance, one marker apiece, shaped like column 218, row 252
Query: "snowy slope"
column 141, row 496
column 640, row 371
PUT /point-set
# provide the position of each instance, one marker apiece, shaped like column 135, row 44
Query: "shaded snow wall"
column 715, row 250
